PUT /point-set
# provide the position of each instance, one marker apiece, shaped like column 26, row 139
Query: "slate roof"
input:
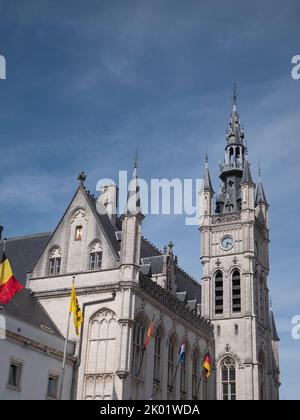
column 247, row 177
column 260, row 195
column 207, row 184
column 23, row 253
column 274, row 333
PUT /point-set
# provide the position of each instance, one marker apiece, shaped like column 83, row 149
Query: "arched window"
column 100, row 363
column 95, row 256
column 195, row 375
column 138, row 346
column 157, row 357
column 228, row 379
column 183, row 375
column 236, row 291
column 171, row 363
column 219, row 293
column 54, row 262
column 262, row 377
column 231, row 155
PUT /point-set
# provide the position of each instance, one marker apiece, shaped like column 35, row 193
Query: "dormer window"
column 78, row 233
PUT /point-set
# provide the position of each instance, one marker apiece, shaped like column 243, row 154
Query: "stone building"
column 235, row 294
column 31, row 346
column 124, row 282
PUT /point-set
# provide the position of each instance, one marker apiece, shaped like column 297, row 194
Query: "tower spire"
column 260, row 194
column 133, row 205
column 235, row 94
column 207, row 184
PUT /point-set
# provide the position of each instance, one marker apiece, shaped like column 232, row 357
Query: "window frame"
column 219, row 309
column 56, row 271
column 97, row 262
column 171, row 363
column 195, row 374
column 158, row 347
column 236, row 291
column 228, row 383
column 56, row 377
column 77, row 228
column 138, row 341
column 19, row 364
column 184, row 376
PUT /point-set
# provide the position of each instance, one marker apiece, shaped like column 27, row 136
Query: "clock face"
column 227, row 243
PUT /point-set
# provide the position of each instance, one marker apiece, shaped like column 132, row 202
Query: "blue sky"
column 90, row 81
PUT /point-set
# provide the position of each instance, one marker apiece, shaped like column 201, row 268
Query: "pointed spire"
column 133, row 205
column 260, row 195
column 235, row 133
column 207, row 184
column 247, row 177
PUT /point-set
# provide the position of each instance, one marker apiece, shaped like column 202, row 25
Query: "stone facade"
column 134, row 285
column 235, row 294
column 124, row 283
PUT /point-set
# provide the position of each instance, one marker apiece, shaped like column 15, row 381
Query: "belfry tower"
column 235, row 259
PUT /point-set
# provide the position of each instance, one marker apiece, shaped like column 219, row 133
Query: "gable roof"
column 22, row 253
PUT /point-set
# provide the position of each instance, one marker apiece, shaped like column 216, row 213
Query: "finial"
column 81, row 177
column 259, row 171
column 235, row 94
column 206, row 155
column 136, row 159
column 171, row 246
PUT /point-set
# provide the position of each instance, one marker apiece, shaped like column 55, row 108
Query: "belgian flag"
column 9, row 286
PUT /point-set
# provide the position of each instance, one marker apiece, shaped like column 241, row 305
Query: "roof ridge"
column 187, row 275
column 33, row 235
column 152, row 245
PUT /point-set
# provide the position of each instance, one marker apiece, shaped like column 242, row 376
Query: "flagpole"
column 171, row 387
column 143, row 354
column 4, row 246
column 3, row 252
column 200, row 380
column 141, row 362
column 65, row 351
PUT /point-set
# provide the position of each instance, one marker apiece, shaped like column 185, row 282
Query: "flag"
column 207, row 365
column 76, row 311
column 181, row 353
column 9, row 286
column 149, row 334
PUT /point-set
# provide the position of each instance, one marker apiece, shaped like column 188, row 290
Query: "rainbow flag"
column 207, row 365
column 9, row 286
column 149, row 334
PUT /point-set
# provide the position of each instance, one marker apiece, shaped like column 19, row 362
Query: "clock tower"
column 235, row 259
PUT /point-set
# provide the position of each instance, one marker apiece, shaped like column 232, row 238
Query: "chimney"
column 109, row 199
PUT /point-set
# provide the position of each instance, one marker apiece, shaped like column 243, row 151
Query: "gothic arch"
column 53, row 249
column 171, row 333
column 141, row 315
column 99, row 364
column 218, row 269
column 223, row 355
column 78, row 212
column 233, row 269
column 53, row 264
column 227, row 378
